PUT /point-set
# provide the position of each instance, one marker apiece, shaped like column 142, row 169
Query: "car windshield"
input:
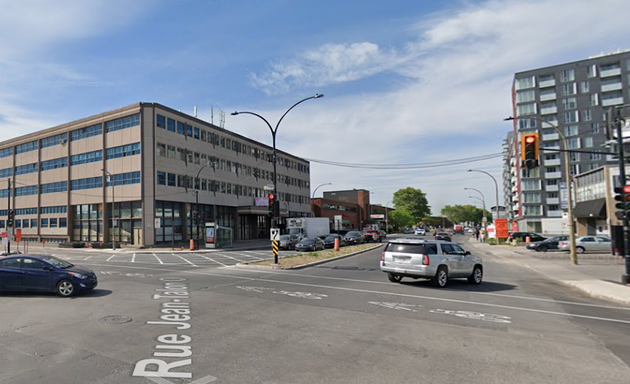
column 285, row 237
column 55, row 262
column 352, row 234
column 308, row 240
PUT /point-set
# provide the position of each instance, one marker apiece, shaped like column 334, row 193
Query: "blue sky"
column 404, row 81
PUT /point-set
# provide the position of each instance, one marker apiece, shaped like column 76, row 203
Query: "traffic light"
column 195, row 218
column 622, row 196
column 272, row 204
column 11, row 218
column 529, row 150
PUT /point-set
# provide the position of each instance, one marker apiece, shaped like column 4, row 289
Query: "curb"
column 588, row 285
column 312, row 264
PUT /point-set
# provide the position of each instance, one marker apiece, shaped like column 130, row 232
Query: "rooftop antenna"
column 211, row 115
column 195, row 111
column 222, row 121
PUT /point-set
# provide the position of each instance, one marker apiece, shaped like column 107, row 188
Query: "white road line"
column 186, row 260
column 381, row 293
column 253, row 257
column 133, row 258
column 158, row 259
column 218, row 262
column 230, row 257
column 111, row 257
column 87, row 258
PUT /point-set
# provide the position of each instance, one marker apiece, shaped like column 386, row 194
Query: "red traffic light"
column 626, row 189
column 530, row 139
column 271, row 195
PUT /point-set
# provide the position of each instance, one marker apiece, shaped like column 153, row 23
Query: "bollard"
column 336, row 244
column 527, row 239
column 192, row 244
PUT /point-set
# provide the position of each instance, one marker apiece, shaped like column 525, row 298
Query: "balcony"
column 550, row 137
column 615, row 101
column 611, row 87
column 548, row 96
column 549, row 110
column 552, row 188
column 552, row 162
column 547, row 83
column 553, row 175
column 553, row 200
column 610, row 72
column 554, row 213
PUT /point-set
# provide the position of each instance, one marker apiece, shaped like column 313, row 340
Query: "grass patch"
column 301, row 258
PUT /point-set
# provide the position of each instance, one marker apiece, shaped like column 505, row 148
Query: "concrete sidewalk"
column 598, row 275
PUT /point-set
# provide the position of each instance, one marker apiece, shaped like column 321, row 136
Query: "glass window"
column 61, row 162
column 127, row 150
column 25, row 169
column 161, row 150
column 33, row 223
column 83, row 133
column 26, row 147
column 160, row 121
column 525, row 82
column 161, row 178
column 567, row 75
column 122, row 123
column 85, row 158
column 172, row 180
column 53, row 222
column 63, row 222
column 170, row 125
column 54, row 140
column 28, row 263
column 569, row 103
column 44, row 223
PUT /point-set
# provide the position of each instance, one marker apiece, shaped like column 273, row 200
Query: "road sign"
column 268, row 187
column 275, row 234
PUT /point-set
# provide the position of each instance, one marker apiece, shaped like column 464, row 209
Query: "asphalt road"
column 340, row 322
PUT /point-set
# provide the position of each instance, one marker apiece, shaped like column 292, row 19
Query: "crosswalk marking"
column 186, row 260
column 158, row 259
column 111, row 257
column 218, row 262
column 133, row 258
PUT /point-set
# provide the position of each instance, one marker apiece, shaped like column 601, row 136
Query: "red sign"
column 18, row 235
column 5, row 235
column 502, row 228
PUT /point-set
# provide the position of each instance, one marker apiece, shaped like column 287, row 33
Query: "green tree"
column 400, row 218
column 414, row 201
column 463, row 213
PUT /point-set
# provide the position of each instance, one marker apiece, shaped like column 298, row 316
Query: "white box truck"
column 308, row 227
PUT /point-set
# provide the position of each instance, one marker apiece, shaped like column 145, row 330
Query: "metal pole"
column 625, row 278
column 113, row 214
column 8, row 213
column 496, row 188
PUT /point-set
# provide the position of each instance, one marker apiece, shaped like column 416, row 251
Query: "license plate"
column 402, row 259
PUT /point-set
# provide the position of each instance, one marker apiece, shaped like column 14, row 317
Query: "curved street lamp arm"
column 317, row 96
column 257, row 115
column 321, row 185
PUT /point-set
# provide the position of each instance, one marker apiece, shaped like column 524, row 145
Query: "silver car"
column 588, row 244
column 438, row 261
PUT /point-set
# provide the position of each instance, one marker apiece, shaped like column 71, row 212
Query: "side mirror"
column 48, row 268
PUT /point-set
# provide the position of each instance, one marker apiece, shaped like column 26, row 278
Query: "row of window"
column 75, row 185
column 190, row 157
column 217, row 140
column 568, row 75
column 33, row 210
column 50, row 222
column 78, row 134
column 82, row 158
column 174, row 180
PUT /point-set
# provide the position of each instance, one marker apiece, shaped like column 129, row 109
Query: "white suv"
column 429, row 259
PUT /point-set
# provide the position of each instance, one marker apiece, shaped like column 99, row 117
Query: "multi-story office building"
column 154, row 163
column 572, row 98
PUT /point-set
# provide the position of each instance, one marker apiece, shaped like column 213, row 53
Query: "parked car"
column 546, row 245
column 520, row 236
column 409, row 231
column 329, row 241
column 354, row 237
column 438, row 261
column 44, row 273
column 420, row 231
column 288, row 242
column 310, row 244
column 371, row 235
column 442, row 236
column 588, row 244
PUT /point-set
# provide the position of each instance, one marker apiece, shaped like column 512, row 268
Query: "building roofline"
column 595, row 58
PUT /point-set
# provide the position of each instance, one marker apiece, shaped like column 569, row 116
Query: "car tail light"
column 383, row 256
column 563, row 243
column 425, row 259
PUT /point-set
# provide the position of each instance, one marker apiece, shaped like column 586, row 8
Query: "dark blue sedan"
column 29, row 273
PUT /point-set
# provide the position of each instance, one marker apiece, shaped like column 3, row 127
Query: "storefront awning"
column 591, row 208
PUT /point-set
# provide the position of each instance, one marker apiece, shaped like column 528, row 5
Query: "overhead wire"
column 434, row 164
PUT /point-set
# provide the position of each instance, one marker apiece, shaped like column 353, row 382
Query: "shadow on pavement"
column 91, row 294
column 462, row 285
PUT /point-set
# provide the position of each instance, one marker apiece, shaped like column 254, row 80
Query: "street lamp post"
column 483, row 198
column 197, row 200
column 114, row 221
column 567, row 175
column 321, row 185
column 386, row 217
column 496, row 187
column 275, row 159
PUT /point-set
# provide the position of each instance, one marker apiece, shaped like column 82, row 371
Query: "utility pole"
column 8, row 215
column 619, row 123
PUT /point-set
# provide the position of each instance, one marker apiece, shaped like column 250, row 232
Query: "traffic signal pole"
column 8, row 217
column 625, row 250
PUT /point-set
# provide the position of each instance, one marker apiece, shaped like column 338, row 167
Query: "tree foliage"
column 413, row 201
column 463, row 213
column 401, row 218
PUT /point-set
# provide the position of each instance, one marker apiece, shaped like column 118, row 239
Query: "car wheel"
column 541, row 248
column 65, row 288
column 441, row 277
column 580, row 249
column 476, row 276
column 394, row 278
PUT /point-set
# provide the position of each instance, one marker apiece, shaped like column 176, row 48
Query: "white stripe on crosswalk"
column 111, row 257
column 218, row 262
column 158, row 259
column 186, row 260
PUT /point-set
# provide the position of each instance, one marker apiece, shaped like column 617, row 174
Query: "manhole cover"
column 115, row 319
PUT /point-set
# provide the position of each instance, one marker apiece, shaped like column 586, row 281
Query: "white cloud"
column 456, row 80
